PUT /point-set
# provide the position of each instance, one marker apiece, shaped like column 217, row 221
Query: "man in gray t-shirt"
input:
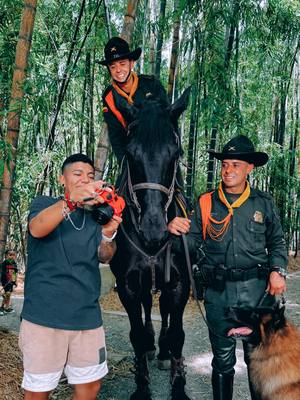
column 61, row 327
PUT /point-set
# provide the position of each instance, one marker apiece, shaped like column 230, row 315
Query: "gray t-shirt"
column 62, row 281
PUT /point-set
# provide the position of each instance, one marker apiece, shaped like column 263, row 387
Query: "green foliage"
column 10, row 12
column 240, row 86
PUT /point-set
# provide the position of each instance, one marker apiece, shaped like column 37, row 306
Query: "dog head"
column 263, row 321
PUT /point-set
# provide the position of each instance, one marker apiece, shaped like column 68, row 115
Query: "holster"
column 204, row 276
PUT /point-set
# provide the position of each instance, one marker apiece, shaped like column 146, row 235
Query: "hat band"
column 112, row 57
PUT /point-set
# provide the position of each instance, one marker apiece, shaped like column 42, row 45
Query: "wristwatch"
column 109, row 239
column 281, row 271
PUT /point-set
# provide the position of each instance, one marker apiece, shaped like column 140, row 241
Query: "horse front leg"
column 176, row 336
column 149, row 329
column 132, row 304
column 163, row 357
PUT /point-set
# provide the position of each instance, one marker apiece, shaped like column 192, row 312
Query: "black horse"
column 145, row 261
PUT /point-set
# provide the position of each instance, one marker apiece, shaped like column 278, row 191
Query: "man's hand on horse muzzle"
column 179, row 226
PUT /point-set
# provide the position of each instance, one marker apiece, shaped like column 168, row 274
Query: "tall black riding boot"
column 222, row 385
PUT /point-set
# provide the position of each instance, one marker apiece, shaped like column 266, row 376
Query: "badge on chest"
column 258, row 217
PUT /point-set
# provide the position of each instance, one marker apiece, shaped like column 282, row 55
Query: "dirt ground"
column 119, row 383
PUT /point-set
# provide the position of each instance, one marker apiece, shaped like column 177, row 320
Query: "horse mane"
column 154, row 127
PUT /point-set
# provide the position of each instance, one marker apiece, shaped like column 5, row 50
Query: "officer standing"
column 236, row 236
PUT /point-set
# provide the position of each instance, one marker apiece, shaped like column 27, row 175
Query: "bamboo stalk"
column 14, row 115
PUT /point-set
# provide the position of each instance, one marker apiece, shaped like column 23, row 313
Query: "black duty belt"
column 241, row 274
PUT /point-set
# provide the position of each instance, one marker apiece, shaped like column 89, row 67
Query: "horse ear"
column 180, row 104
column 128, row 111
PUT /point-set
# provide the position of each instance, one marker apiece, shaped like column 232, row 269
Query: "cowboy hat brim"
column 257, row 158
column 132, row 55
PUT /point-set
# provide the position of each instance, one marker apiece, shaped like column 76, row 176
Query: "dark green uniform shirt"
column 254, row 235
column 116, row 132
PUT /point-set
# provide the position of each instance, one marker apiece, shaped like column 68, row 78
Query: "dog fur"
column 275, row 362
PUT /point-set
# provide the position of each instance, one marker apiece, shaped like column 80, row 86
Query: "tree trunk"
column 160, row 37
column 83, row 100
column 22, row 235
column 193, row 131
column 152, row 6
column 191, row 147
column 211, row 160
column 129, row 20
column 174, row 51
column 107, row 19
column 1, row 118
column 15, row 109
column 144, row 33
column 101, row 152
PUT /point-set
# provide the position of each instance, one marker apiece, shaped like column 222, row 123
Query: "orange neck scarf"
column 133, row 89
column 218, row 233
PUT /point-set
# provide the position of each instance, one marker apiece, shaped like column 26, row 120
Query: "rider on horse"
column 134, row 88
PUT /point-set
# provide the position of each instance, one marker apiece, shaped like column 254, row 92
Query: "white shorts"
column 48, row 352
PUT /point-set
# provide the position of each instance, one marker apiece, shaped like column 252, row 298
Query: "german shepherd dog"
column 275, row 361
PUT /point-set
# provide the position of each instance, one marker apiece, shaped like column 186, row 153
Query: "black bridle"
column 132, row 189
column 169, row 192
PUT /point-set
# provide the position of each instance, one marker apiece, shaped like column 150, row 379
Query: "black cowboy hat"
column 241, row 148
column 116, row 49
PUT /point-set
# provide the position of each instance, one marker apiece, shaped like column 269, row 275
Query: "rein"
column 194, row 290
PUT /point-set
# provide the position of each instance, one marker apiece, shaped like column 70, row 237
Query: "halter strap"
column 152, row 186
column 148, row 185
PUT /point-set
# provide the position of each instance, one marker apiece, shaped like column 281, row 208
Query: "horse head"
column 152, row 157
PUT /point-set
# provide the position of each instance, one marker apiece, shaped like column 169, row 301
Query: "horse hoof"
column 163, row 364
column 151, row 355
